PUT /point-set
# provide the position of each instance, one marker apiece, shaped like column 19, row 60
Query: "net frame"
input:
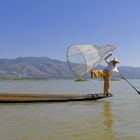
column 98, row 49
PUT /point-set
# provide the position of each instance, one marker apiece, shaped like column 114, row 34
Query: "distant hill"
column 34, row 67
column 130, row 72
column 44, row 67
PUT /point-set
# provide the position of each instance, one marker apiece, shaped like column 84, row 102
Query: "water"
column 116, row 118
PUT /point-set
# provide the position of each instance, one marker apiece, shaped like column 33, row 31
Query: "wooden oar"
column 130, row 84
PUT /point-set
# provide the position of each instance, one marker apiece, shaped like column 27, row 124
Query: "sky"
column 48, row 27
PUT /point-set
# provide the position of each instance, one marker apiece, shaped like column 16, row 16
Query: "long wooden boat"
column 28, row 97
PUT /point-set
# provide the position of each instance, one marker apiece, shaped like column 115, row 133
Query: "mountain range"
column 44, row 67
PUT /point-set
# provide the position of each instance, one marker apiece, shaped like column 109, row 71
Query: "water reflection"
column 108, row 119
column 108, row 115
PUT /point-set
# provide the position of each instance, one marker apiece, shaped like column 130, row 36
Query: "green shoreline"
column 26, row 78
column 11, row 78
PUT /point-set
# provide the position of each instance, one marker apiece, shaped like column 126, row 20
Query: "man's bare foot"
column 106, row 94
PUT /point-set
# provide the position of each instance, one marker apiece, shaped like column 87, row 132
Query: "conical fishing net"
column 82, row 58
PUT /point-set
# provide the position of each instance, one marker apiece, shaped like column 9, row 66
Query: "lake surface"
column 115, row 118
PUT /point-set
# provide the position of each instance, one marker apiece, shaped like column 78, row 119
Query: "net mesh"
column 82, row 58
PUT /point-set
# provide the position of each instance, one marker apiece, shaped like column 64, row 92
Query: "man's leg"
column 106, row 83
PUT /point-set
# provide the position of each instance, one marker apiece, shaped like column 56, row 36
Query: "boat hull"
column 18, row 97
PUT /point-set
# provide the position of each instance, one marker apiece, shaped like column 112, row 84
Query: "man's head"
column 115, row 61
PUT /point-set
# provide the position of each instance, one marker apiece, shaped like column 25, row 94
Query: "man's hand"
column 110, row 54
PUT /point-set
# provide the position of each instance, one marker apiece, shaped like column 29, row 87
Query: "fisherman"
column 106, row 73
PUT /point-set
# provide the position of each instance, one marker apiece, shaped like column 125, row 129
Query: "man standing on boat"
column 106, row 73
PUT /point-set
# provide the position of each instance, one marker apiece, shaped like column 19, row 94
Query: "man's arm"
column 107, row 58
